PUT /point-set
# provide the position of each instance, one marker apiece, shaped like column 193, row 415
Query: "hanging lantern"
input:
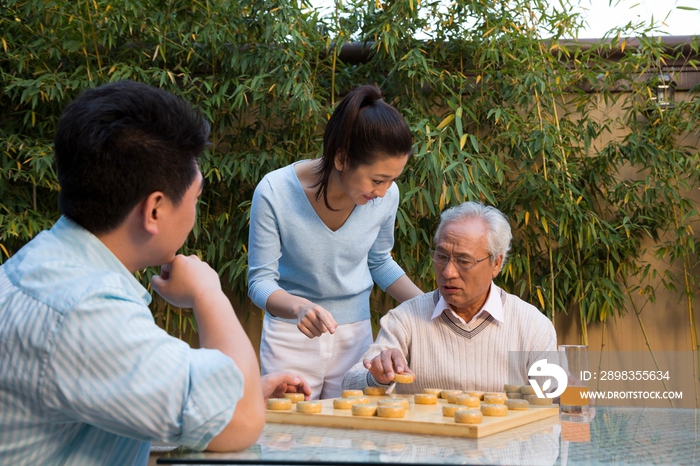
column 663, row 92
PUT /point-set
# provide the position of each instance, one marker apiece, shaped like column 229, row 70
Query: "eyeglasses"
column 461, row 263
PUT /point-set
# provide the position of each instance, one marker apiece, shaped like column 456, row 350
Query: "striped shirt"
column 86, row 376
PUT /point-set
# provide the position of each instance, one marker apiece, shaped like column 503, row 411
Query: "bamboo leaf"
column 540, row 297
column 446, row 121
column 475, row 144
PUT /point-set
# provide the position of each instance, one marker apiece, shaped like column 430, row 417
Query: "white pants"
column 322, row 361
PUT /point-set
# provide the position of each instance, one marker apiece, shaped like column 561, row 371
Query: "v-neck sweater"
column 445, row 353
column 290, row 248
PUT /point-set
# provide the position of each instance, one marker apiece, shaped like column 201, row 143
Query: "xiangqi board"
column 419, row 419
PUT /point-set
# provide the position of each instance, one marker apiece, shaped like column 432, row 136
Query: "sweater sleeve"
column 393, row 334
column 382, row 266
column 264, row 247
column 541, row 341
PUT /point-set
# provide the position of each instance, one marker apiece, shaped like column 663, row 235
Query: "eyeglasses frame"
column 449, row 258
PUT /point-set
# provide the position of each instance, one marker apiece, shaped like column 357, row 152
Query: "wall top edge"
column 612, row 48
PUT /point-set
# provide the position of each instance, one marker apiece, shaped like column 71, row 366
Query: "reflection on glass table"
column 613, row 436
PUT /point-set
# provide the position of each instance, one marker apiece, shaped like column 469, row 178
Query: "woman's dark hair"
column 118, row 143
column 362, row 130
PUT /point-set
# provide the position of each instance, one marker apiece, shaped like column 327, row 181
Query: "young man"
column 86, row 377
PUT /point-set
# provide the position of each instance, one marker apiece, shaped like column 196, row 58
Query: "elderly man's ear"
column 497, row 265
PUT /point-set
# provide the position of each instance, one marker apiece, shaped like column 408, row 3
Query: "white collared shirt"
column 493, row 307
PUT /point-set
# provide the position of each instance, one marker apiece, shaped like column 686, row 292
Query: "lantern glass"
column 665, row 91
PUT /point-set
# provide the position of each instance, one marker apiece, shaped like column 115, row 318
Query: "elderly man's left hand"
column 277, row 384
column 386, row 364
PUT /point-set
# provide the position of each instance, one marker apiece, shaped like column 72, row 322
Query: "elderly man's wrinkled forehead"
column 466, row 231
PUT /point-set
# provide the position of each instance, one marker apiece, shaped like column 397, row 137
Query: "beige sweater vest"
column 444, row 353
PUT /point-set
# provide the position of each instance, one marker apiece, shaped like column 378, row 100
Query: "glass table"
column 614, row 435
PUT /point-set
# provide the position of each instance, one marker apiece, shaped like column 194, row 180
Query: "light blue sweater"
column 290, row 248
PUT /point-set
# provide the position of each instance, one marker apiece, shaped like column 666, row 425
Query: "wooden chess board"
column 419, row 419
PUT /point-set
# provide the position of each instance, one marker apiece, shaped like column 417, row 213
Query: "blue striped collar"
column 96, row 253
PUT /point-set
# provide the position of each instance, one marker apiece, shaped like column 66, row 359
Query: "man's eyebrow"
column 455, row 253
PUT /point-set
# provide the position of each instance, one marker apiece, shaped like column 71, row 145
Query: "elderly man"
column 464, row 334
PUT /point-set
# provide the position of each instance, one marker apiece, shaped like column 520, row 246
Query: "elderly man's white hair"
column 498, row 234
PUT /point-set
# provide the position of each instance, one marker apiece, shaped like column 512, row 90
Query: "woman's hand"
column 314, row 321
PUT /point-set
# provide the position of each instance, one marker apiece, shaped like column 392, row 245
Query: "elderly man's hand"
column 277, row 384
column 386, row 364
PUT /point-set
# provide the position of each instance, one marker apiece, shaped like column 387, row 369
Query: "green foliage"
column 495, row 96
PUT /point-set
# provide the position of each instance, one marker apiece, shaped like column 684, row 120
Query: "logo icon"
column 542, row 368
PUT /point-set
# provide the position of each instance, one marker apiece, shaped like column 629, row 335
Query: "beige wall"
column 666, row 321
column 666, row 324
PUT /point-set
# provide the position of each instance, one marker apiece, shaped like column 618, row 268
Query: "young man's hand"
column 186, row 280
column 277, row 384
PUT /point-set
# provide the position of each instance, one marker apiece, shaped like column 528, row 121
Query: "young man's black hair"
column 133, row 140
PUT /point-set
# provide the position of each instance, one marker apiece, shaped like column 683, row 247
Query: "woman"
column 321, row 232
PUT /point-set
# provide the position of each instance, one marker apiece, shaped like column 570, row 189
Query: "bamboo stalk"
column 581, row 305
column 529, row 269
column 693, row 335
column 600, row 359
column 94, row 42
column 167, row 318
column 335, row 58
column 691, row 311
column 638, row 313
column 551, row 279
column 567, row 182
column 539, row 119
